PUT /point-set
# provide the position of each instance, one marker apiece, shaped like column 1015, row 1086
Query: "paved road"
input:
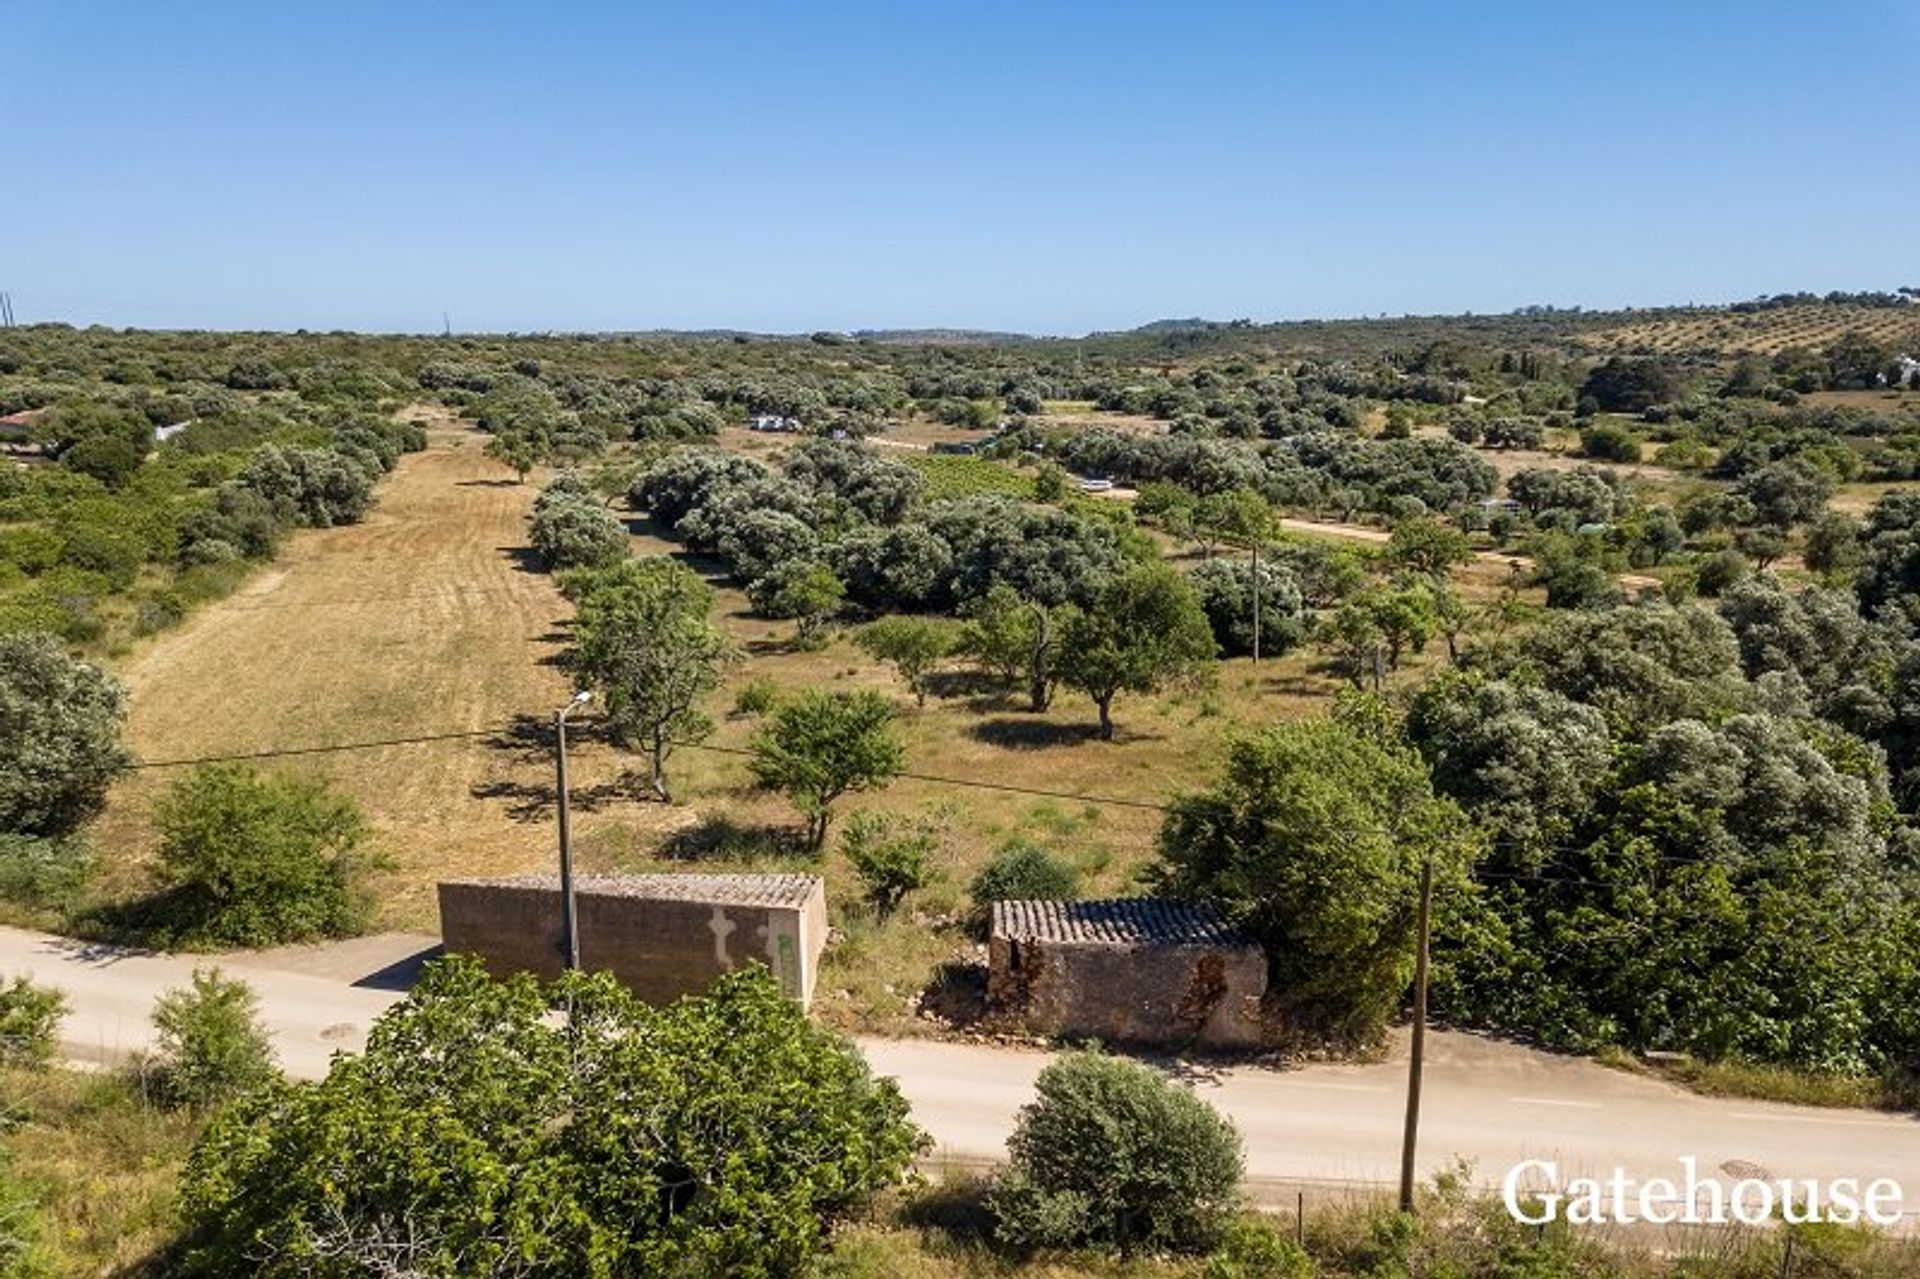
column 1321, row 1125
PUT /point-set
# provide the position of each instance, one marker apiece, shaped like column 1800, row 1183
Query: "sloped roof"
column 1116, row 921
column 716, row 890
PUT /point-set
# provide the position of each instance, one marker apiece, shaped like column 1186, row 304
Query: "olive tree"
column 820, row 746
column 1144, row 629
column 911, row 645
column 60, row 747
column 646, row 641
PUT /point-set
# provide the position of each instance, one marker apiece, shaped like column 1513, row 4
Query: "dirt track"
column 418, row 621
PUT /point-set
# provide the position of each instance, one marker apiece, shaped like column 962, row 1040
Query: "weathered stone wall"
column 663, row 936
column 1208, row 996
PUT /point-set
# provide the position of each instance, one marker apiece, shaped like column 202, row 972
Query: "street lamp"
column 570, row 921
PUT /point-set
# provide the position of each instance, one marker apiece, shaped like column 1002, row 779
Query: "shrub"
column 1250, row 1247
column 1610, row 443
column 43, row 874
column 724, row 1134
column 758, row 696
column 890, row 859
column 212, row 1046
column 29, row 1022
column 576, row 533
column 1112, row 1154
column 1021, row 871
column 254, row 860
column 60, row 745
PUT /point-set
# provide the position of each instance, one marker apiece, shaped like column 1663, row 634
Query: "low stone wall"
column 1126, row 971
column 663, row 936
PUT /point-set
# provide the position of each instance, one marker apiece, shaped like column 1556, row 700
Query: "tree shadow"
column 957, row 994
column 487, row 484
column 535, row 801
column 717, row 837
column 1031, row 734
column 984, row 692
column 956, row 1206
column 524, row 558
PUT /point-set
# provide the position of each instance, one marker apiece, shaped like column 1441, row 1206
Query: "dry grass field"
column 427, row 619
column 1764, row 332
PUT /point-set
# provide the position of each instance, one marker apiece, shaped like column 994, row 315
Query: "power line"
column 284, row 752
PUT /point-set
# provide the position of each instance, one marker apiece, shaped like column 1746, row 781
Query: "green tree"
column 561, row 1131
column 30, row 1018
column 998, row 634
column 577, row 532
column 1313, row 843
column 806, row 590
column 820, row 746
column 913, row 645
column 645, row 639
column 519, row 452
column 1144, row 629
column 1239, row 516
column 251, row 859
column 1113, row 1154
column 1429, row 546
column 891, row 859
column 1833, row 544
column 60, row 748
column 1021, row 871
column 211, row 1045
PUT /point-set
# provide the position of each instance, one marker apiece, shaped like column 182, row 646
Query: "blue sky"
column 1050, row 168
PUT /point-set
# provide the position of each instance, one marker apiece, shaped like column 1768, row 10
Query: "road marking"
column 1555, row 1101
column 1888, row 1125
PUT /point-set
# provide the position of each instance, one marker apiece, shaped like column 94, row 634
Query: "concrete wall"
column 1207, row 996
column 661, row 946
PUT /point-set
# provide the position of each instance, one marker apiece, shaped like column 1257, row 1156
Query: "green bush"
column 60, row 748
column 502, row 1127
column 890, row 858
column 212, row 1046
column 575, row 532
column 43, row 874
column 758, row 696
column 249, row 859
column 29, row 1023
column 1250, row 1247
column 1022, row 871
column 1111, row 1154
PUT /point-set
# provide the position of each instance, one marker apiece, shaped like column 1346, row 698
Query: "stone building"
column 662, row 935
column 1126, row 970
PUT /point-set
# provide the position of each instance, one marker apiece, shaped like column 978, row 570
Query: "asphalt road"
column 1321, row 1125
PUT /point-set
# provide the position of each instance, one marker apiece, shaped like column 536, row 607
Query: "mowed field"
column 1762, row 332
column 420, row 621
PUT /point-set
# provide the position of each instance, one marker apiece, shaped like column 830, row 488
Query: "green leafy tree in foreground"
column 820, row 746
column 253, row 859
column 211, row 1044
column 1313, row 842
column 646, row 642
column 518, row 452
column 1145, row 629
column 60, row 722
column 29, row 1023
column 496, row 1128
column 914, row 646
column 1113, row 1154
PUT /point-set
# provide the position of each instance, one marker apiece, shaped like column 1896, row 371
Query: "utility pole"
column 6, row 310
column 1419, row 1048
column 569, row 917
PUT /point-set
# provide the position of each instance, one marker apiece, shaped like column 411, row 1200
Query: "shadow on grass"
column 955, row 1205
column 524, row 558
column 957, row 995
column 720, row 838
column 487, row 484
column 1031, row 734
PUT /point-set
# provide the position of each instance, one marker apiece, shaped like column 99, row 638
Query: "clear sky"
column 1042, row 167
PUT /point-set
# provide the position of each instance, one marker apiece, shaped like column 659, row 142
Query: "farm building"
column 662, row 935
column 1126, row 970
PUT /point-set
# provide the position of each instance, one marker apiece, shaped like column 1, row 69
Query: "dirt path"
column 418, row 621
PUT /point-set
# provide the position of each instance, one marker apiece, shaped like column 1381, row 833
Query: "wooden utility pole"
column 1419, row 1048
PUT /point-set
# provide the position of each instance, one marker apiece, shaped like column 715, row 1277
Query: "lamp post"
column 570, row 922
